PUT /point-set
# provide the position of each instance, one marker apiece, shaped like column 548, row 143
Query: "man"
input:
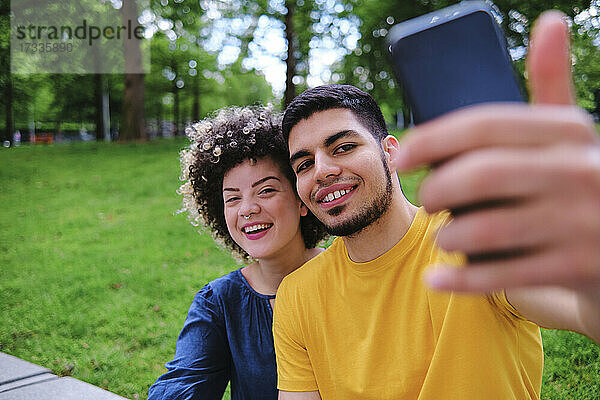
column 359, row 322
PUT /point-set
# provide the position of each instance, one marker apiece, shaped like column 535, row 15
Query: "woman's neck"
column 265, row 275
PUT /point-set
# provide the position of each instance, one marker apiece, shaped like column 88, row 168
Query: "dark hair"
column 220, row 143
column 327, row 97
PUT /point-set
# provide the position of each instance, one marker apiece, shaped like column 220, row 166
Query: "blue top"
column 227, row 336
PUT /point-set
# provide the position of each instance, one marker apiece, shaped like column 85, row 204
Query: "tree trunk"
column 8, row 98
column 176, row 110
column 176, row 105
column 160, row 120
column 290, row 62
column 196, row 106
column 133, row 119
column 597, row 104
column 98, row 105
column 6, row 76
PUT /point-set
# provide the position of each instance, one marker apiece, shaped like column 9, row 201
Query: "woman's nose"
column 248, row 208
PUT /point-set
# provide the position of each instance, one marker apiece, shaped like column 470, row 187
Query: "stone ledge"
column 22, row 380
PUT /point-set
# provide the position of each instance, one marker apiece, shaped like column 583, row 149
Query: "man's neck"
column 383, row 234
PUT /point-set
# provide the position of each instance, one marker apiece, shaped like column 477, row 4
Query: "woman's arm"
column 201, row 366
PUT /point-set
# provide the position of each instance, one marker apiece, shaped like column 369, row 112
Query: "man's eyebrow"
column 299, row 154
column 337, row 136
column 327, row 142
column 258, row 182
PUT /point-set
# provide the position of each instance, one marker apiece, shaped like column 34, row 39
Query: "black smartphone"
column 452, row 58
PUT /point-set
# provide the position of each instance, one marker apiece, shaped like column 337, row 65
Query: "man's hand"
column 542, row 161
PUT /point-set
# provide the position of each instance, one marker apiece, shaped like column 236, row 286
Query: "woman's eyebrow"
column 258, row 182
column 264, row 180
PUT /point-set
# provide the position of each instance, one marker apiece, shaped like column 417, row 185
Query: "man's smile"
column 334, row 194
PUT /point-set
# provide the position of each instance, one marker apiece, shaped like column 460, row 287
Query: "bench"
column 46, row 138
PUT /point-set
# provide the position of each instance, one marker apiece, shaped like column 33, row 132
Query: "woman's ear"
column 303, row 210
column 391, row 149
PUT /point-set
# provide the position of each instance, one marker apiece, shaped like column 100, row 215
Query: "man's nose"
column 325, row 167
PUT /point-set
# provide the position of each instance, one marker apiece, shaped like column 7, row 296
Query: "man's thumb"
column 549, row 61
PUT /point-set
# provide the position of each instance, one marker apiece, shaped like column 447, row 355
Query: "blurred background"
column 97, row 269
column 205, row 54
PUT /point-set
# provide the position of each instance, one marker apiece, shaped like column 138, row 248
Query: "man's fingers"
column 493, row 125
column 510, row 228
column 508, row 173
column 480, row 176
column 575, row 265
column 502, row 229
column 549, row 61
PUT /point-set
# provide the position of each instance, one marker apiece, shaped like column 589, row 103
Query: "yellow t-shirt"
column 374, row 331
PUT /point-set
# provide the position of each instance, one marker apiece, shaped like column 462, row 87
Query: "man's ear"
column 391, row 149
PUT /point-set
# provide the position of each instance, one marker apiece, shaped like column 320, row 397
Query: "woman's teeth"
column 254, row 228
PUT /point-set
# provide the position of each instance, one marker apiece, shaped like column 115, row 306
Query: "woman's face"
column 261, row 209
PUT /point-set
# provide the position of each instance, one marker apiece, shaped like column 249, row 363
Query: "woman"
column 238, row 182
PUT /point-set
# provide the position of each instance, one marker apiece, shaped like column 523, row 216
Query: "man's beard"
column 367, row 214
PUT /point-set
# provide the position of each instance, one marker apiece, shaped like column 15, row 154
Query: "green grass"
column 97, row 272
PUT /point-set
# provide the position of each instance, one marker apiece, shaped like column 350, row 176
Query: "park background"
column 97, row 269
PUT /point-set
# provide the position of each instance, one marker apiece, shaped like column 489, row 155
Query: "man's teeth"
column 255, row 228
column 335, row 195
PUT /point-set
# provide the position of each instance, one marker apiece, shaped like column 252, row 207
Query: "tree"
column 368, row 67
column 290, row 61
column 177, row 58
column 586, row 59
column 6, row 83
column 133, row 123
column 304, row 25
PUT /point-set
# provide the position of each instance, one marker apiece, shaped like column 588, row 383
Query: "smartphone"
column 452, row 58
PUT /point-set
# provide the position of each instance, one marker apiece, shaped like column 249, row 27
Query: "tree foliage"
column 368, row 66
column 204, row 56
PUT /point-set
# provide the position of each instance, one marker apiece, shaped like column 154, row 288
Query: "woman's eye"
column 267, row 190
column 344, row 148
column 231, row 199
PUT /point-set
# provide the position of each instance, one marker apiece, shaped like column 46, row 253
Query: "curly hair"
column 218, row 144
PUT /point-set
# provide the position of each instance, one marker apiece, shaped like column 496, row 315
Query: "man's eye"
column 344, row 148
column 303, row 165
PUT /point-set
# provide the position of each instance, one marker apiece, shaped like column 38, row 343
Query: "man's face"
column 342, row 173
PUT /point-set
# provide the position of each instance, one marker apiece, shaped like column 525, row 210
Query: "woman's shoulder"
column 221, row 288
